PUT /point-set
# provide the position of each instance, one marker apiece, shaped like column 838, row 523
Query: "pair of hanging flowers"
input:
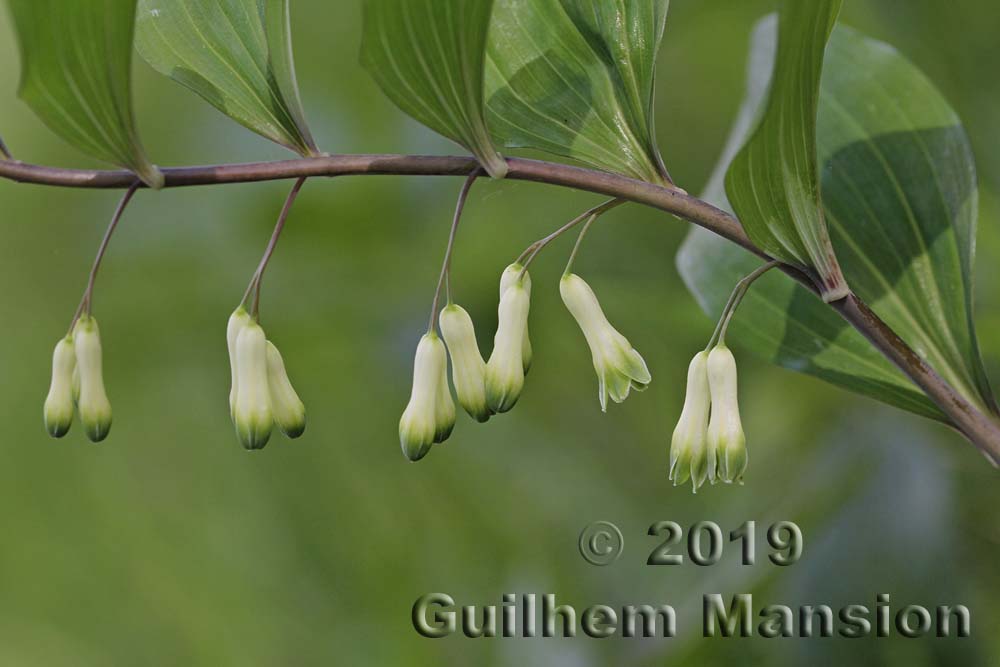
column 78, row 384
column 261, row 395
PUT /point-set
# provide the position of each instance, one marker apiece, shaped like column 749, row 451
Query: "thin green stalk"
column 529, row 254
column 86, row 303
column 4, row 150
column 445, row 277
column 254, row 287
column 719, row 336
column 576, row 246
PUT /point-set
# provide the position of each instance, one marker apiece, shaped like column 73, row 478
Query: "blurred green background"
column 168, row 544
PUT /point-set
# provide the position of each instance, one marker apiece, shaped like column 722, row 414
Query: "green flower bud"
column 468, row 370
column 505, row 369
column 725, row 430
column 93, row 404
column 508, row 278
column 619, row 367
column 237, row 322
column 252, row 413
column 418, row 427
column 59, row 403
column 689, row 454
column 289, row 411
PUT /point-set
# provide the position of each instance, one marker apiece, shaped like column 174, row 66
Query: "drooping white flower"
column 288, row 410
column 725, row 430
column 59, row 404
column 508, row 278
column 237, row 322
column 421, row 424
column 468, row 370
column 252, row 413
column 689, row 453
column 505, row 369
column 619, row 367
column 93, row 404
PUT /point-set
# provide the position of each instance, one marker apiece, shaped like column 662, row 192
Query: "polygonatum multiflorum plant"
column 843, row 210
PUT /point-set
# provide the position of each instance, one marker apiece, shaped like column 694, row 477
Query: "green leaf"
column 773, row 183
column 427, row 56
column 237, row 54
column 576, row 78
column 76, row 75
column 899, row 187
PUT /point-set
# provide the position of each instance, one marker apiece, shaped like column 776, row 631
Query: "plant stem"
column 529, row 254
column 4, row 150
column 258, row 275
column 735, row 299
column 976, row 425
column 88, row 294
column 445, row 277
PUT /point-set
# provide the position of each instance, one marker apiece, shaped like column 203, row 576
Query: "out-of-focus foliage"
column 167, row 544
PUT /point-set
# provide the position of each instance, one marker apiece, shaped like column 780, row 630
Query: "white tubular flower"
column 508, row 278
column 288, row 410
column 252, row 413
column 468, row 370
column 689, row 453
column 619, row 367
column 505, row 369
column 418, row 427
column 725, row 431
column 59, row 403
column 93, row 404
column 444, row 407
column 237, row 322
column 76, row 383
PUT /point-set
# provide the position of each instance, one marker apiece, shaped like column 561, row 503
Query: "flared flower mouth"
column 619, row 367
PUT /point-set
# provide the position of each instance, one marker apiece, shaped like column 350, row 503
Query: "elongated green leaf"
column 427, row 56
column 237, row 54
column 575, row 78
column 773, row 183
column 76, row 75
column 899, row 188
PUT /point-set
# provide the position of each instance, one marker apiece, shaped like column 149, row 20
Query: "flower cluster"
column 261, row 396
column 78, row 384
column 487, row 388
column 707, row 445
column 708, row 442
